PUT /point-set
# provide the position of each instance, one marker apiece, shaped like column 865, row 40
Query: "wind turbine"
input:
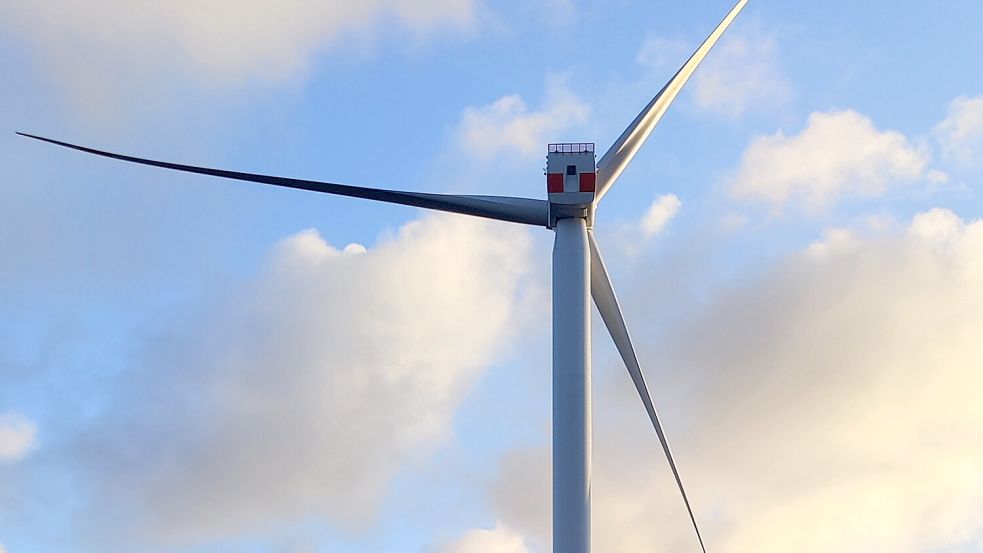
column 575, row 187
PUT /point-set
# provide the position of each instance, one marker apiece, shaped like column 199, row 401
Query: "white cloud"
column 960, row 134
column 938, row 225
column 102, row 51
column 629, row 238
column 854, row 368
column 742, row 73
column 304, row 390
column 508, row 126
column 839, row 154
column 17, row 436
column 500, row 539
column 662, row 210
column 839, row 401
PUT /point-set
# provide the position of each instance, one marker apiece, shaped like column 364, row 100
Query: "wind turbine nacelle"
column 571, row 176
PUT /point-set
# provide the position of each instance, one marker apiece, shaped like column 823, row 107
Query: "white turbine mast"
column 575, row 188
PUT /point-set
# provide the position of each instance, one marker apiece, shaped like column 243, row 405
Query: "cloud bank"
column 108, row 61
column 837, row 410
column 305, row 389
column 220, row 40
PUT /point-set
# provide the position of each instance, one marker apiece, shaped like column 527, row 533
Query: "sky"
column 195, row 365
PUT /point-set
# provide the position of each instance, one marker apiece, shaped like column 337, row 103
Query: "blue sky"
column 194, row 365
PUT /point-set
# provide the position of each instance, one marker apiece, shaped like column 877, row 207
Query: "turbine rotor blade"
column 607, row 305
column 614, row 161
column 515, row 210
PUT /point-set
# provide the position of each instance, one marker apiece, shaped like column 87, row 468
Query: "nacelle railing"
column 571, row 148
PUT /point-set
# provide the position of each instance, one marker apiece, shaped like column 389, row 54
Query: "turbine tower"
column 575, row 187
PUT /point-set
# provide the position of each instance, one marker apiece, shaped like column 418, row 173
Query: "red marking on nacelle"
column 554, row 182
column 587, row 182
